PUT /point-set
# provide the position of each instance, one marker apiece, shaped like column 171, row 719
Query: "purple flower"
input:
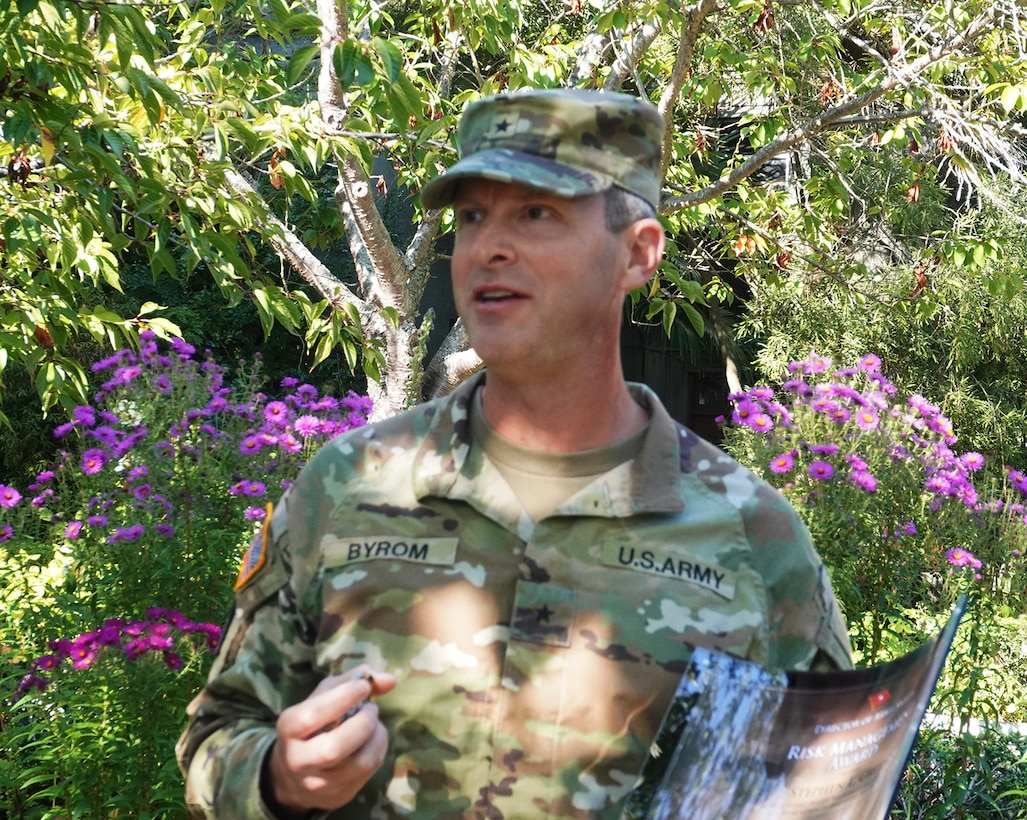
column 93, row 460
column 824, row 449
column 818, row 364
column 6, row 532
column 217, row 404
column 962, row 558
column 133, row 532
column 782, row 463
column 105, row 435
column 856, row 463
column 761, row 423
column 110, row 633
column 254, row 513
column 124, row 375
column 84, row 415
column 797, row 386
column 923, row 406
column 32, row 681
column 97, row 520
column 130, row 533
column 250, row 445
column 277, row 412
column 8, row 496
column 82, row 655
column 173, row 660
column 972, row 461
column 72, row 530
column 307, row 425
column 142, row 492
column 183, row 348
column 136, row 648
column 254, row 488
column 820, row 470
column 46, row 663
column 822, row 404
column 870, row 363
column 745, row 410
column 1019, row 480
column 938, row 484
column 864, row 480
column 164, row 529
column 867, row 420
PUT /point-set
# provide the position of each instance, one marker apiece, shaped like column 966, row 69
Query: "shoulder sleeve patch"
column 255, row 557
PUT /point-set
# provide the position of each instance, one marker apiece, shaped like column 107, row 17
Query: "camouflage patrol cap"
column 569, row 142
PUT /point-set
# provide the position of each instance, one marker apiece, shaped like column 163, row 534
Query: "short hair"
column 621, row 208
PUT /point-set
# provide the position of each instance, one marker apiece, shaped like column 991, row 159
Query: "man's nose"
column 493, row 243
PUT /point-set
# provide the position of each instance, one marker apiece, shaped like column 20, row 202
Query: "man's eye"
column 468, row 217
column 537, row 212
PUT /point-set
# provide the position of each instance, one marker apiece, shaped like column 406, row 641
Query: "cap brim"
column 501, row 165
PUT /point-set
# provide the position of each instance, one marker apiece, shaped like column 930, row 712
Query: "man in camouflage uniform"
column 523, row 565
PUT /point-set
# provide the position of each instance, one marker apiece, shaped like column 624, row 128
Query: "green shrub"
column 116, row 564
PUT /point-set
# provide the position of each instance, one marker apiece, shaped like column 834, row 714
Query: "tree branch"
column 334, row 31
column 453, row 363
column 690, row 28
column 384, row 271
column 291, row 249
column 894, row 77
column 627, row 59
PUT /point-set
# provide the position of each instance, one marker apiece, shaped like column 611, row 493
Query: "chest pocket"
column 543, row 614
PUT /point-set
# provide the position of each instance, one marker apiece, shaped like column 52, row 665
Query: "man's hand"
column 317, row 762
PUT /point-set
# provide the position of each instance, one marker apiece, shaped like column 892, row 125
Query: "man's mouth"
column 496, row 295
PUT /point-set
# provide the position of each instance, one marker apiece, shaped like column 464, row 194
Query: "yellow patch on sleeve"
column 255, row 557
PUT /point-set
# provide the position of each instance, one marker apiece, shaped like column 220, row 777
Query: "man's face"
column 538, row 279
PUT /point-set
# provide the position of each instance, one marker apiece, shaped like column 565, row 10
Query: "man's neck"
column 562, row 418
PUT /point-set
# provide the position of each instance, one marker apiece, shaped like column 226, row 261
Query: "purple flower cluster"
column 845, row 425
column 160, row 422
column 132, row 639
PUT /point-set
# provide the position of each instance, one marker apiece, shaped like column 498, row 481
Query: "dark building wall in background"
column 696, row 397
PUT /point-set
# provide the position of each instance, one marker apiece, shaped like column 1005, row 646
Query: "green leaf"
column 48, row 380
column 345, row 58
column 298, row 63
column 391, row 57
column 695, row 319
column 267, row 321
column 1010, row 98
column 164, row 328
column 148, row 308
column 404, row 99
column 669, row 314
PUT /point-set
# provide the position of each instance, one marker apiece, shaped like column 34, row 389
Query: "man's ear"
column 646, row 243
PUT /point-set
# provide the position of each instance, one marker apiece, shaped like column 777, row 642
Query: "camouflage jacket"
column 534, row 660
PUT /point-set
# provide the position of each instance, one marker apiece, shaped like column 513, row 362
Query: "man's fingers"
column 327, row 704
column 335, row 699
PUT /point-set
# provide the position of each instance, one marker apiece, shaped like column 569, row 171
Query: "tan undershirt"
column 542, row 481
